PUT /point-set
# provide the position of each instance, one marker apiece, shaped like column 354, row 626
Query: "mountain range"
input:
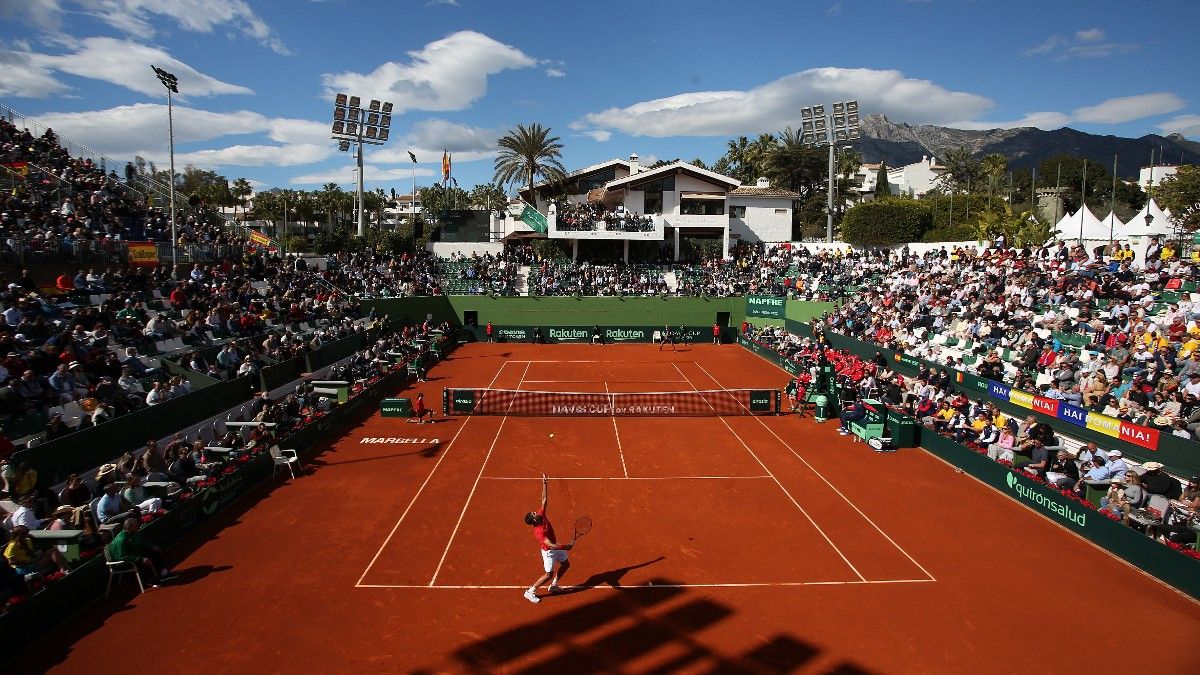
column 1025, row 147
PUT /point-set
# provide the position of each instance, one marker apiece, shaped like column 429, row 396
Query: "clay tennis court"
column 720, row 543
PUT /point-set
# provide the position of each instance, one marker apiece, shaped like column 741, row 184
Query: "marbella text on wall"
column 1137, row 434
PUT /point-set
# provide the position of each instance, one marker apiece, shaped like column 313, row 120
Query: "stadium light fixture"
column 840, row 127
column 172, row 85
column 354, row 124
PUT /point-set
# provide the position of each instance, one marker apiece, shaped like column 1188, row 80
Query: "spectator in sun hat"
column 1158, row 482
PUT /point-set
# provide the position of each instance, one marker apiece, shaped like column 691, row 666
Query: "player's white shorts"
column 557, row 555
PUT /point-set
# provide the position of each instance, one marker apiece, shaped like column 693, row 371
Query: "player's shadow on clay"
column 610, row 578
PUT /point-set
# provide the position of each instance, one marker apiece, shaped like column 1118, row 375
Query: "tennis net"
column 663, row 403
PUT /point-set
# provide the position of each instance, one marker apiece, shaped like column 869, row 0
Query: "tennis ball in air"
column 551, row 435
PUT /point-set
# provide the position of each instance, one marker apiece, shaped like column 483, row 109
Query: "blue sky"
column 662, row 78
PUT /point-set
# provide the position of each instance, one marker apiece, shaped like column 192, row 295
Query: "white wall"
column 1160, row 172
column 443, row 249
column 761, row 222
column 918, row 248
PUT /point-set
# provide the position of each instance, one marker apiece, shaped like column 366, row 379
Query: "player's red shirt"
column 419, row 407
column 543, row 531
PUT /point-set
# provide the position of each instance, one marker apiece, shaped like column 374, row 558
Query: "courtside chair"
column 118, row 568
column 288, row 458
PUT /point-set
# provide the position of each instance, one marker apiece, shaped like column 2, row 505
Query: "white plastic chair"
column 288, row 458
column 118, row 568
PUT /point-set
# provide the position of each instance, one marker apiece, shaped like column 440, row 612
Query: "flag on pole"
column 412, row 156
column 445, row 165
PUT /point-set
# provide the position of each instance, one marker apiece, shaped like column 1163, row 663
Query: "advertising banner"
column 1139, row 435
column 1046, row 406
column 143, row 253
column 1073, row 414
column 1018, row 397
column 998, row 390
column 1109, row 426
column 765, row 306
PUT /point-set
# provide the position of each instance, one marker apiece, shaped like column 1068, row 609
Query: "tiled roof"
column 763, row 192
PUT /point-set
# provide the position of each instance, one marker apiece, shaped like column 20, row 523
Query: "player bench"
column 871, row 426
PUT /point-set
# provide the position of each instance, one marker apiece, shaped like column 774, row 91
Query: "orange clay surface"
column 720, row 544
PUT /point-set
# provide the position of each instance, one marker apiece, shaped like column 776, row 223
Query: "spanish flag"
column 19, row 168
column 445, row 166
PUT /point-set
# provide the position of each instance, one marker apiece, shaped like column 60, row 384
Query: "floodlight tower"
column 353, row 124
column 815, row 128
column 172, row 84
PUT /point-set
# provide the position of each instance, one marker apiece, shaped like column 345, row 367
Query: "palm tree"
column 330, row 200
column 241, row 191
column 528, row 152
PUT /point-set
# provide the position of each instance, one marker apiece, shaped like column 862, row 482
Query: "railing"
column 104, row 252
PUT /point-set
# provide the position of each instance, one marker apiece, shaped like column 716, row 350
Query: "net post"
column 445, row 401
column 778, row 401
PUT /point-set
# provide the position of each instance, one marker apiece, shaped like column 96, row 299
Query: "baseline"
column 651, row 586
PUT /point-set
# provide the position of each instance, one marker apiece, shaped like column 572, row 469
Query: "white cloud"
column 598, row 135
column 447, row 74
column 134, row 17
column 1048, row 45
column 25, row 76
column 120, row 62
column 834, row 9
column 1111, row 111
column 140, row 129
column 1129, row 108
column 442, row 3
column 1048, row 120
column 775, row 105
column 255, row 155
column 345, row 175
column 1088, row 43
column 1188, row 125
column 555, row 72
column 428, row 138
column 43, row 14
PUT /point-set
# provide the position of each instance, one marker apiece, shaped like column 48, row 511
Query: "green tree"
column 962, row 170
column 330, row 200
column 526, row 153
column 1180, row 194
column 883, row 188
column 886, row 221
column 994, row 167
column 438, row 198
column 487, row 196
column 240, row 190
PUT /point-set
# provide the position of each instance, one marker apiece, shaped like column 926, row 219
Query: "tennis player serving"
column 552, row 552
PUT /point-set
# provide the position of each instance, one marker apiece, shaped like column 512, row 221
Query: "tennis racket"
column 583, row 525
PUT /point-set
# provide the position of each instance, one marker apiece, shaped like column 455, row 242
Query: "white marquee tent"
column 1160, row 223
column 1082, row 224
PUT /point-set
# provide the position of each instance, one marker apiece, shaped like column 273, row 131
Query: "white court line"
column 422, row 488
column 620, row 450
column 606, row 382
column 831, row 486
column 781, row 487
column 476, row 484
column 628, row 477
column 643, row 587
